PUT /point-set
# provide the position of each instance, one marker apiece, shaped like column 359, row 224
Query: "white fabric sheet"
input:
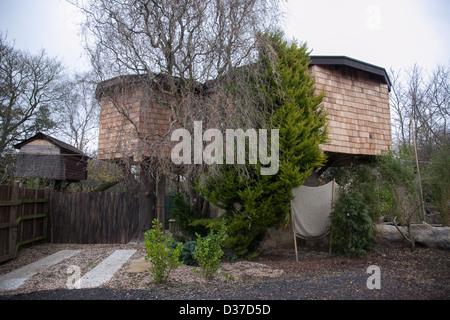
column 310, row 210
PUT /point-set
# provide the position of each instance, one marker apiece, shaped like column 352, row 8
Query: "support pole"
column 332, row 208
column 295, row 239
column 295, row 245
column 161, row 200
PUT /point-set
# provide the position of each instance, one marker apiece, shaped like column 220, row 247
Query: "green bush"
column 164, row 259
column 352, row 229
column 184, row 215
column 387, row 184
column 187, row 254
column 437, row 176
column 209, row 251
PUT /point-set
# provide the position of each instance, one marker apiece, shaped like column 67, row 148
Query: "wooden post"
column 49, row 209
column 13, row 217
column 295, row 245
column 332, row 208
column 161, row 200
column 295, row 238
column 35, row 212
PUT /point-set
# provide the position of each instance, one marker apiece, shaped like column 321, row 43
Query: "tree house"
column 357, row 102
column 43, row 156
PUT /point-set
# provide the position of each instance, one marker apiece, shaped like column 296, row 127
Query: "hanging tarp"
column 311, row 208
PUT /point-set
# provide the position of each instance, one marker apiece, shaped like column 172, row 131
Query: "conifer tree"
column 258, row 202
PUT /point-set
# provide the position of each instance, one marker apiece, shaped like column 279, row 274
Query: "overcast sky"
column 392, row 33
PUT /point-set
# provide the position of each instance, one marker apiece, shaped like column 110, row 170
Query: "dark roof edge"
column 354, row 63
column 158, row 79
column 314, row 60
column 118, row 80
column 58, row 143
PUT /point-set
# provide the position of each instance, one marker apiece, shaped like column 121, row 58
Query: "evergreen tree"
column 258, row 202
column 352, row 228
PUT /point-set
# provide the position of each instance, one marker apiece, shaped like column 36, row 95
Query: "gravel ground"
column 421, row 275
column 347, row 286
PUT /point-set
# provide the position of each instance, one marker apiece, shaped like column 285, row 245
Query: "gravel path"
column 346, row 286
column 422, row 275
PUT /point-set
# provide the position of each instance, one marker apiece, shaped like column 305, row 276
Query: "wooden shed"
column 43, row 156
column 357, row 101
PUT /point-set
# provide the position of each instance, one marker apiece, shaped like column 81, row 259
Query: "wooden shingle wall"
column 357, row 103
column 358, row 110
column 117, row 134
column 154, row 124
column 125, row 114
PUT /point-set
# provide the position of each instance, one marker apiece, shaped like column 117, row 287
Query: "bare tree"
column 194, row 40
column 420, row 105
column 398, row 108
column 28, row 95
column 437, row 116
column 186, row 58
column 79, row 111
column 28, row 92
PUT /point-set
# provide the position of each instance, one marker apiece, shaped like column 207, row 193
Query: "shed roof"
column 354, row 63
column 66, row 148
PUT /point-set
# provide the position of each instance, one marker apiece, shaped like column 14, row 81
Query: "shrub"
column 352, row 229
column 187, row 254
column 184, row 215
column 209, row 251
column 437, row 176
column 387, row 184
column 164, row 259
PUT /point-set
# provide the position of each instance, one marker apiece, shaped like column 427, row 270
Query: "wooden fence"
column 93, row 217
column 28, row 215
column 23, row 218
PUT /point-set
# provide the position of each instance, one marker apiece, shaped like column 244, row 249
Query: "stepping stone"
column 104, row 271
column 14, row 279
column 139, row 265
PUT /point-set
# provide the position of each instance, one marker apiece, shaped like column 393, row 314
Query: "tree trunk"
column 147, row 201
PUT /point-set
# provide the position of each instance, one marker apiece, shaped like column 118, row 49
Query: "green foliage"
column 437, row 176
column 164, row 259
column 257, row 202
column 184, row 215
column 210, row 250
column 385, row 187
column 397, row 174
column 187, row 254
column 206, row 224
column 352, row 229
column 387, row 184
column 365, row 178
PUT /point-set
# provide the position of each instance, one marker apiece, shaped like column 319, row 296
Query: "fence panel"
column 28, row 215
column 23, row 218
column 91, row 217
